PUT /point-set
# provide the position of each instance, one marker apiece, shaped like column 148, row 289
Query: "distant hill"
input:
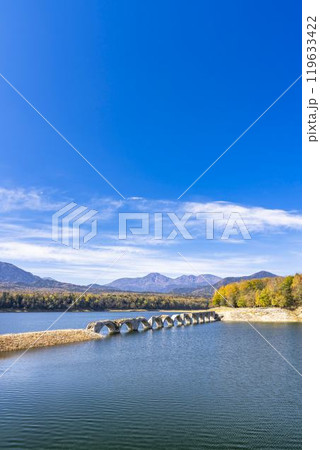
column 257, row 275
column 209, row 290
column 155, row 282
column 14, row 278
column 13, row 274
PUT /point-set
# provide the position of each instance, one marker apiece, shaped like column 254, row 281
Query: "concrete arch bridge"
column 154, row 322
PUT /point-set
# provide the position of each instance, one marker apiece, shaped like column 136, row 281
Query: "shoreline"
column 278, row 315
column 104, row 311
column 270, row 314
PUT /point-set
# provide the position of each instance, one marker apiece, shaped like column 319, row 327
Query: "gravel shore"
column 259, row 314
column 22, row 341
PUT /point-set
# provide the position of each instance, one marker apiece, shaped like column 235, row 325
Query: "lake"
column 210, row 386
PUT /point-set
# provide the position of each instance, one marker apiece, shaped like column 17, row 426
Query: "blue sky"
column 151, row 93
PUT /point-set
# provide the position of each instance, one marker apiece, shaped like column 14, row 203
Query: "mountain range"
column 12, row 277
column 155, row 282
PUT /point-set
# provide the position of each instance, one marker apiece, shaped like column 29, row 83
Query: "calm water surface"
column 210, row 386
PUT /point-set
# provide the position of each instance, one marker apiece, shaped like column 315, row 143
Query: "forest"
column 60, row 301
column 283, row 292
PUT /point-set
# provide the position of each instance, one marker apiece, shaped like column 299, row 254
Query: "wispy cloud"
column 255, row 217
column 26, row 200
column 67, row 264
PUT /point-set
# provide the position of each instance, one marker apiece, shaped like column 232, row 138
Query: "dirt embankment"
column 22, row 341
column 259, row 314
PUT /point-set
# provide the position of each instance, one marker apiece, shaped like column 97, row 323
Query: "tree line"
column 283, row 292
column 58, row 301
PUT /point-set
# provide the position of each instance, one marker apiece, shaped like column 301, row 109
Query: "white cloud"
column 86, row 265
column 256, row 218
column 23, row 230
column 23, row 199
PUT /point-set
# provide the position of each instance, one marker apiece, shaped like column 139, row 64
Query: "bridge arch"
column 129, row 324
column 156, row 322
column 143, row 323
column 167, row 320
column 177, row 319
column 96, row 327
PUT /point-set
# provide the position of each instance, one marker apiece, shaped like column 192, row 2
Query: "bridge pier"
column 187, row 319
